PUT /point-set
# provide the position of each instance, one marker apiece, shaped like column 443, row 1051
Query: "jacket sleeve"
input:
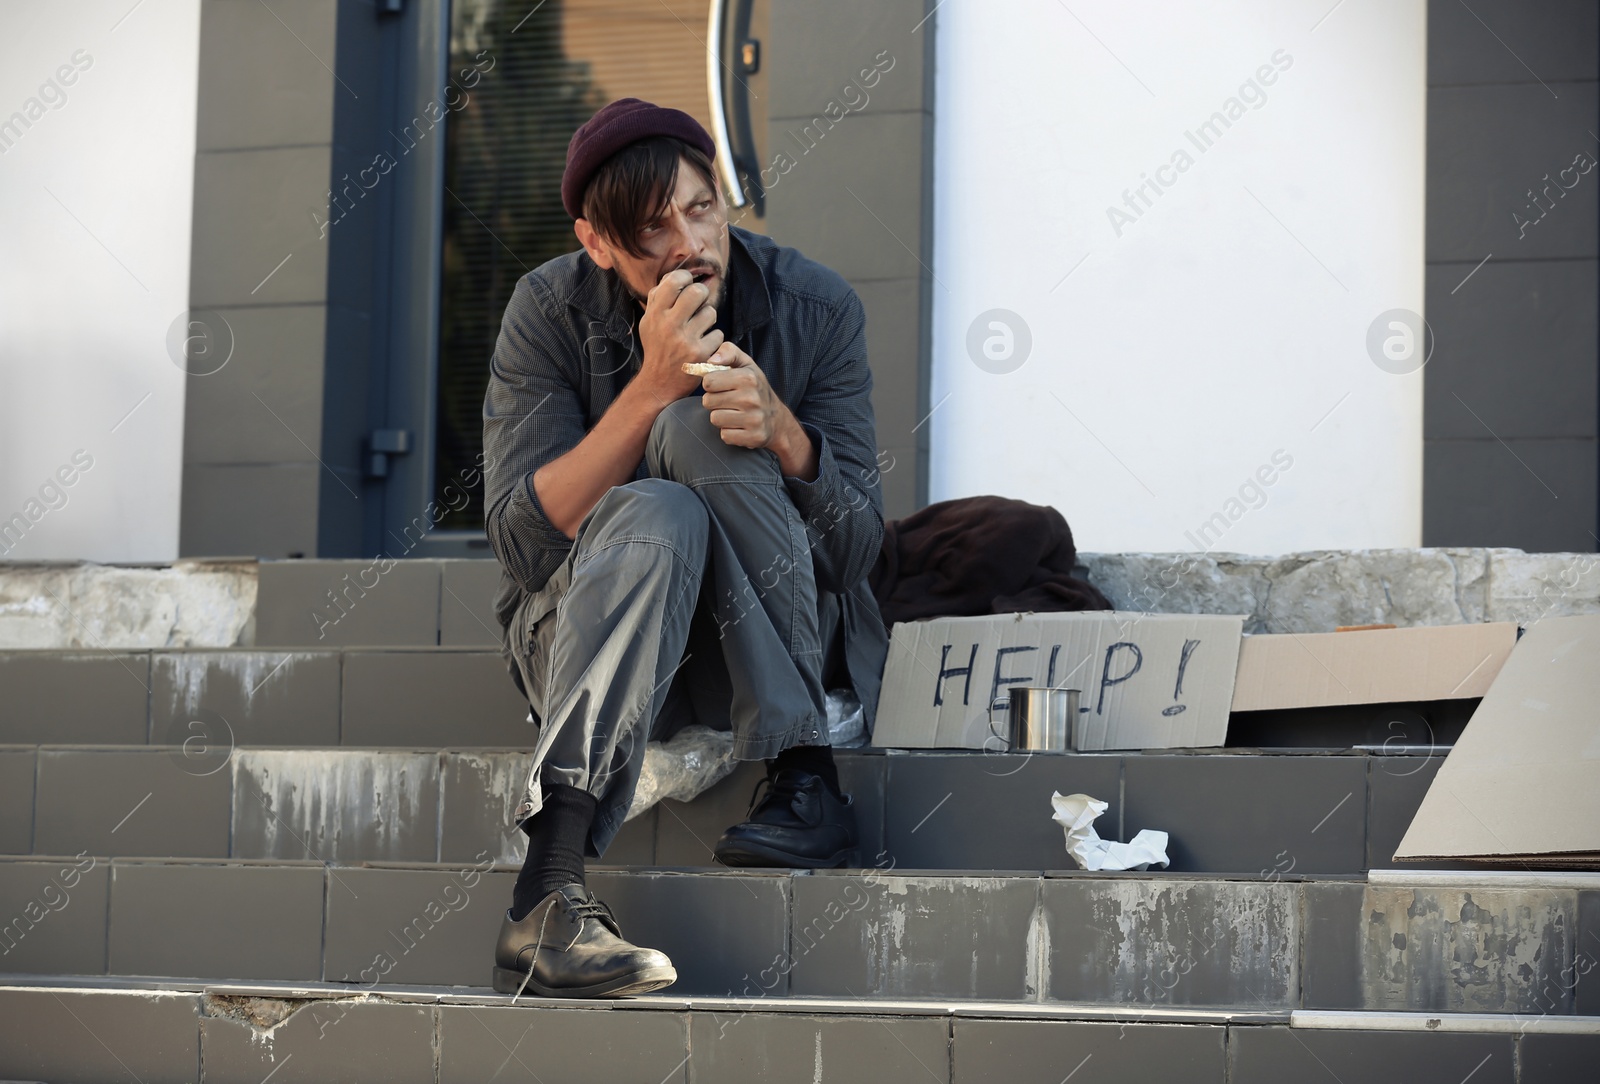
column 532, row 413
column 843, row 508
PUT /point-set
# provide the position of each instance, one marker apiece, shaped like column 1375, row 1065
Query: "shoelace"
column 533, row 960
column 581, row 909
column 593, row 908
column 785, row 787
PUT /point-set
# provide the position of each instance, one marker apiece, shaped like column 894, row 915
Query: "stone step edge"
column 1480, row 1023
column 1284, row 752
column 1483, row 879
column 1581, row 880
column 1131, row 1015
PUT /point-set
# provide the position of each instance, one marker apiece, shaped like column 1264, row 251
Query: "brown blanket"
column 978, row 555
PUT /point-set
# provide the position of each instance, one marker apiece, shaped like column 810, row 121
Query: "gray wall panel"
column 1511, row 395
column 265, row 404
column 1474, row 43
column 265, row 511
column 1517, row 346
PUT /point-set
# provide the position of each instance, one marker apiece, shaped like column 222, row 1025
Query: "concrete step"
column 424, row 696
column 444, row 696
column 255, row 1032
column 422, row 602
column 1226, row 812
column 1433, row 942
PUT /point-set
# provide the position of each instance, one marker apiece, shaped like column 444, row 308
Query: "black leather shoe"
column 798, row 823
column 570, row 946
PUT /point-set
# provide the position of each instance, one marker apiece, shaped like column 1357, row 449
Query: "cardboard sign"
column 1523, row 781
column 1370, row 666
column 1148, row 681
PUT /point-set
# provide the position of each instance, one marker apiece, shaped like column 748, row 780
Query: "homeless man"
column 675, row 548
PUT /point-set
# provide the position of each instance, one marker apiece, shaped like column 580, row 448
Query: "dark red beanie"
column 624, row 121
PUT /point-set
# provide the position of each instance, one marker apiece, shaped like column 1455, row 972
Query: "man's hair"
column 635, row 185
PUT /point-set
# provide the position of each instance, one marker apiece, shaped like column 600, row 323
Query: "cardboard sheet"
column 1149, row 681
column 1370, row 666
column 1522, row 785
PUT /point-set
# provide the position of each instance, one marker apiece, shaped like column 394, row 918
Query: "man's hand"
column 676, row 328
column 749, row 414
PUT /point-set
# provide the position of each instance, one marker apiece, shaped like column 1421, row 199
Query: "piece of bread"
column 701, row 368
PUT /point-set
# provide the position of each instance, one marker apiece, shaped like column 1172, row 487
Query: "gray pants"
column 688, row 596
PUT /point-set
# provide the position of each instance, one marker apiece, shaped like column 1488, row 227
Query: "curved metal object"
column 716, row 36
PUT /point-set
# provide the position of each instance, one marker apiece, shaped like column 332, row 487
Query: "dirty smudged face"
column 690, row 234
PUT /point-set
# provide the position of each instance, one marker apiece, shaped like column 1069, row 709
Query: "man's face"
column 691, row 233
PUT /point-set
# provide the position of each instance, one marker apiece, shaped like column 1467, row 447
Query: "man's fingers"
column 701, row 322
column 712, row 339
column 669, row 289
column 691, row 299
column 732, row 355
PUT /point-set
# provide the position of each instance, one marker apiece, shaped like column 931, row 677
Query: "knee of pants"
column 650, row 510
column 685, row 447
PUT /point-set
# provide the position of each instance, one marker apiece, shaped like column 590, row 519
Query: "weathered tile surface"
column 322, row 1041
column 1171, row 942
column 336, row 805
column 263, row 697
column 480, row 791
column 875, row 935
column 1449, row 949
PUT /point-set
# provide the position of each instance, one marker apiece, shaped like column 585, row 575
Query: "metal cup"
column 1038, row 720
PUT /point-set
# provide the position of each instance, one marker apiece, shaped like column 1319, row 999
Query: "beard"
column 715, row 300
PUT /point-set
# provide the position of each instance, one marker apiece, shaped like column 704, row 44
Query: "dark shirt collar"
column 601, row 294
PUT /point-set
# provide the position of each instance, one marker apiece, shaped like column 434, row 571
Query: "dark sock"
column 556, row 838
column 816, row 759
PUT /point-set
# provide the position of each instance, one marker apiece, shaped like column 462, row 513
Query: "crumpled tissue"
column 1076, row 814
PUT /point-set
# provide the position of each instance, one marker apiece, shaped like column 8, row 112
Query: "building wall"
column 1202, row 360
column 1512, row 397
column 97, row 104
column 272, row 442
column 849, row 150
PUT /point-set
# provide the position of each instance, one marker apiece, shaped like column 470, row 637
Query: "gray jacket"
column 568, row 345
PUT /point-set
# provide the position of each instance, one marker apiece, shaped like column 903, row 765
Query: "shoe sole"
column 638, row 982
column 746, row 854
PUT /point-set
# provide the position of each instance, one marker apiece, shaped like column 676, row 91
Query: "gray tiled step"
column 1224, row 812
column 92, row 1034
column 319, row 603
column 428, row 697
column 450, row 695
column 1157, row 940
